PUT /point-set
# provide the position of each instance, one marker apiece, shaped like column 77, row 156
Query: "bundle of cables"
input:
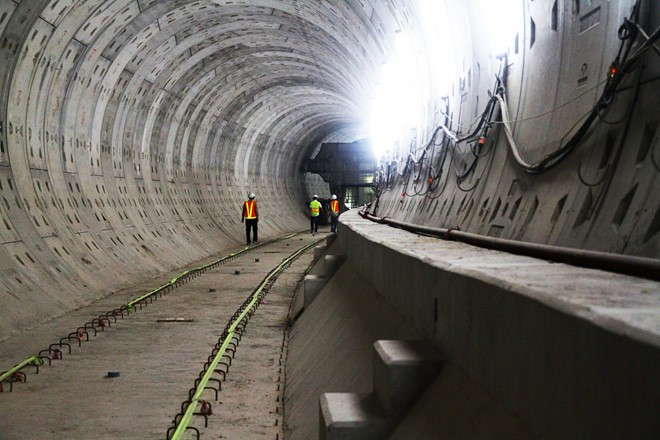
column 421, row 173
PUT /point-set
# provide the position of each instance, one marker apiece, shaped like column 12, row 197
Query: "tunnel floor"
column 159, row 361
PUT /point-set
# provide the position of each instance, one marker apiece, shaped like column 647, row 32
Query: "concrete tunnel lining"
column 181, row 107
column 131, row 131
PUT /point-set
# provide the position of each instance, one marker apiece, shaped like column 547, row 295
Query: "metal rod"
column 624, row 264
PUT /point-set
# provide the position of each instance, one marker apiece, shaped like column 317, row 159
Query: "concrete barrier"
column 312, row 285
column 401, row 372
column 572, row 352
column 331, row 348
column 332, row 264
column 319, row 251
column 350, row 416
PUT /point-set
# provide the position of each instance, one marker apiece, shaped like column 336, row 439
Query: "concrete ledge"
column 312, row 285
column 402, row 370
column 319, row 251
column 572, row 352
column 349, row 416
column 331, row 348
column 332, row 264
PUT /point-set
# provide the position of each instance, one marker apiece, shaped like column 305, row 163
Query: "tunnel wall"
column 602, row 197
column 130, row 134
column 131, row 131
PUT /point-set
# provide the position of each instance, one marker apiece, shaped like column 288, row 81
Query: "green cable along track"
column 253, row 300
column 37, row 360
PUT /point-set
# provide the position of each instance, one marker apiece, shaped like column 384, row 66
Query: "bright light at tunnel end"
column 421, row 65
column 397, row 98
column 505, row 22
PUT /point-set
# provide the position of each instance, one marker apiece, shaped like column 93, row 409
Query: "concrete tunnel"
column 131, row 132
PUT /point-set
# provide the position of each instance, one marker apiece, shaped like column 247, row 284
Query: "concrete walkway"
column 159, row 361
column 572, row 352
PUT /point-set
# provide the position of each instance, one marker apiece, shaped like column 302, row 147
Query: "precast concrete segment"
column 555, row 69
column 580, row 347
column 155, row 359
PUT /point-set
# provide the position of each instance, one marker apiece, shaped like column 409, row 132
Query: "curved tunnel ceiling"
column 238, row 63
column 131, row 130
column 186, row 87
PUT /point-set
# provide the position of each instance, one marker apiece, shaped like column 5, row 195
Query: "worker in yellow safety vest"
column 334, row 213
column 314, row 214
column 251, row 218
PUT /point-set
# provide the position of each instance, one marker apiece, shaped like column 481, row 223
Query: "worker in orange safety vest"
column 334, row 213
column 251, row 217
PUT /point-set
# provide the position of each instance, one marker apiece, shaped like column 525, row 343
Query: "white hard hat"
column 251, row 196
column 315, row 196
column 334, row 197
